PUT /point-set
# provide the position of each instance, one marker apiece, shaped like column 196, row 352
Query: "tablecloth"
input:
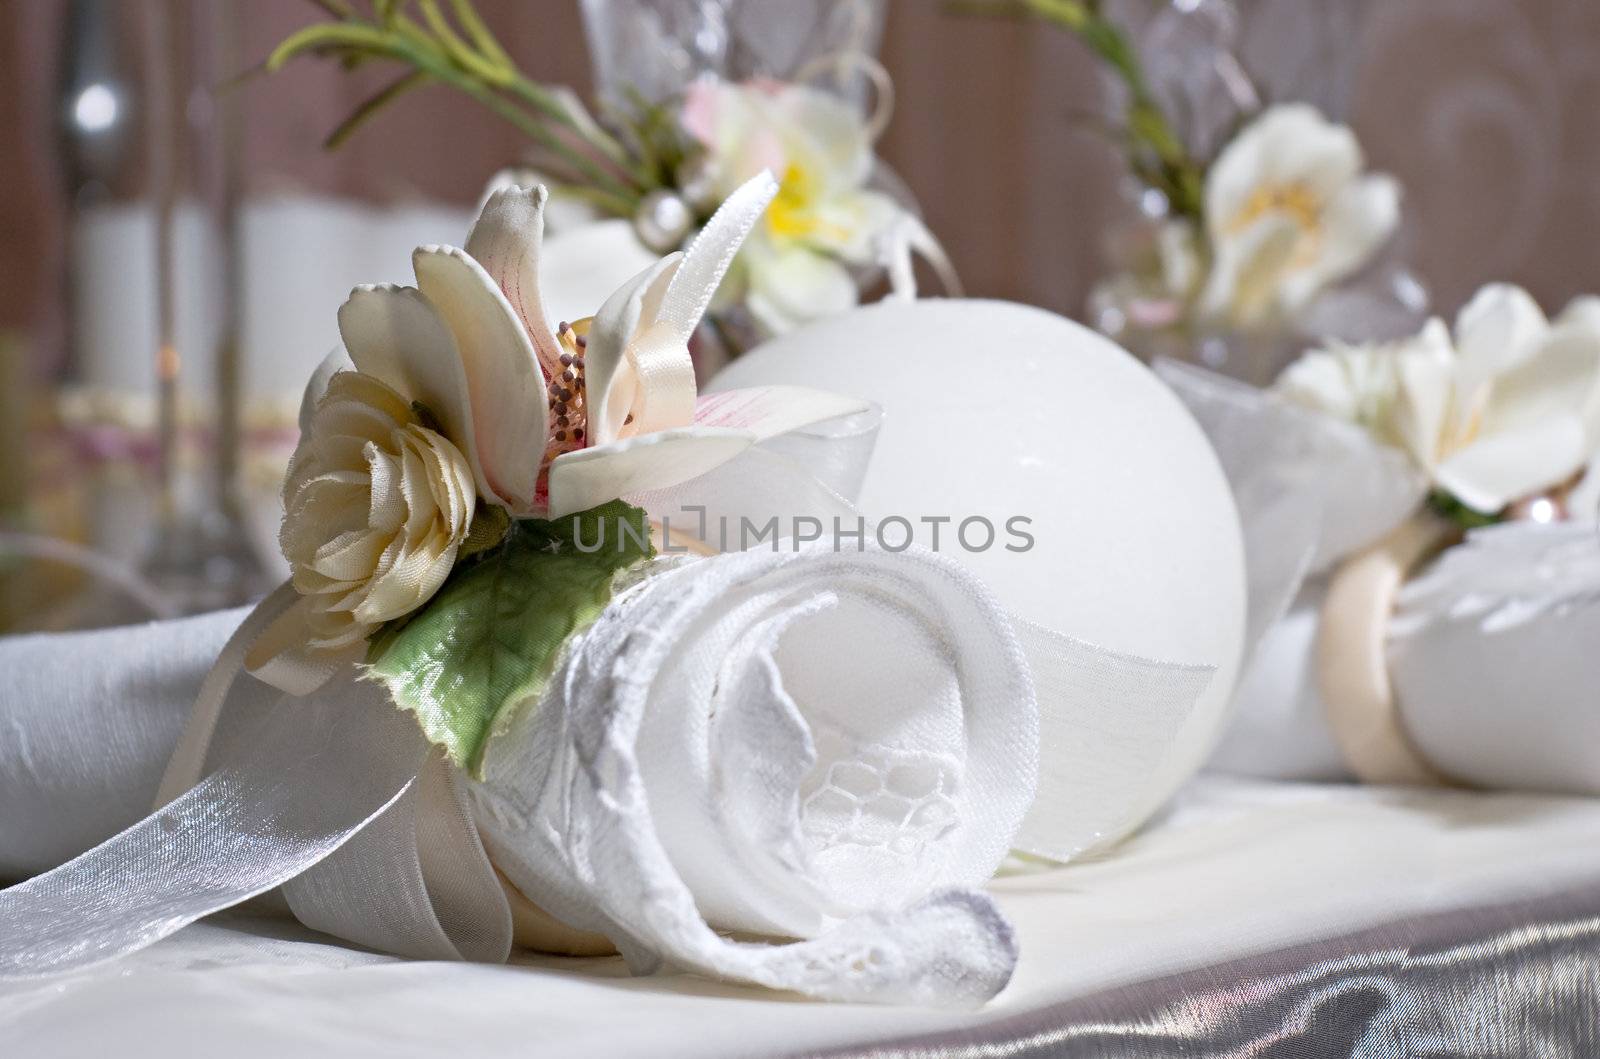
column 1241, row 879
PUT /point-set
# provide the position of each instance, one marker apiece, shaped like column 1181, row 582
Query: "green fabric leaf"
column 1453, row 509
column 490, row 637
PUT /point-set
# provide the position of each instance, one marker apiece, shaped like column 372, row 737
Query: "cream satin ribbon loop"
column 1352, row 662
column 656, row 385
column 279, row 655
column 908, row 238
column 655, row 382
column 709, row 257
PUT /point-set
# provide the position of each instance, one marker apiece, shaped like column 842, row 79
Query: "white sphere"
column 998, row 410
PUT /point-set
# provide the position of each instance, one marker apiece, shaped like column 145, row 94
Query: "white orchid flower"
column 824, row 219
column 554, row 420
column 1507, row 408
column 1288, row 211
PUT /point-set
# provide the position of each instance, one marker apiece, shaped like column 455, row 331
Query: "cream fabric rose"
column 376, row 507
column 1289, row 212
column 1506, row 407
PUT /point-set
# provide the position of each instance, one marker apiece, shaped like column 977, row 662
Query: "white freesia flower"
column 824, row 219
column 1506, row 408
column 1288, row 212
column 376, row 506
column 1360, row 383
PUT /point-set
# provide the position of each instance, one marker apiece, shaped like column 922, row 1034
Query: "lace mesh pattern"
column 900, row 800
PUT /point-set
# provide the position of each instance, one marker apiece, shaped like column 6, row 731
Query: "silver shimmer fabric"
column 1518, row 980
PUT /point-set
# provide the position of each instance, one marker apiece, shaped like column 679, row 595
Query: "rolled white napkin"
column 806, row 744
column 87, row 723
column 1486, row 647
column 830, row 746
column 1492, row 655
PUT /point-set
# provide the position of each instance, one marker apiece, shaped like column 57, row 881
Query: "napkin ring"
column 1352, row 666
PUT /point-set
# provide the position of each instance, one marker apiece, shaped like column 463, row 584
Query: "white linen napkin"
column 833, row 746
column 898, row 662
column 1486, row 649
column 87, row 723
column 1492, row 655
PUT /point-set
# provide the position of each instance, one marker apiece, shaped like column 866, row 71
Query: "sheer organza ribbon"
column 1310, row 489
column 334, row 796
column 1314, row 492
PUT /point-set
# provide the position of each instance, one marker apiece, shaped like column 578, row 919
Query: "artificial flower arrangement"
column 437, row 471
column 1423, row 514
column 658, row 169
column 1245, row 238
column 1502, row 415
column 498, row 705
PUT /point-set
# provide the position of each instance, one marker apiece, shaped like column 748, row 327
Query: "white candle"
column 1000, row 411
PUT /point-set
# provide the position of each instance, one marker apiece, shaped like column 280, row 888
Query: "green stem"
column 603, row 199
column 496, row 74
column 491, row 64
column 1174, row 172
column 479, row 67
column 473, row 23
column 486, row 79
column 626, row 198
column 436, row 63
column 364, row 113
column 548, row 104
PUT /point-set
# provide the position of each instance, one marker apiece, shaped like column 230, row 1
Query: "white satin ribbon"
column 654, row 386
column 306, row 776
column 709, row 257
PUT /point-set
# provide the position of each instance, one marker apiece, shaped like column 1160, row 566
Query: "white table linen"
column 1239, row 867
